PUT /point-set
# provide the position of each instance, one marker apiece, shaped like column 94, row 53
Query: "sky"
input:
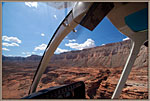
column 27, row 27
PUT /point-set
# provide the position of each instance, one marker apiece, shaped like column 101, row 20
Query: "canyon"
column 99, row 67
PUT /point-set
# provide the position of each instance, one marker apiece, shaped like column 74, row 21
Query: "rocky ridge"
column 93, row 66
column 109, row 55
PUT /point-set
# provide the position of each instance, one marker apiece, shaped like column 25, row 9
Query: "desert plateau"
column 99, row 67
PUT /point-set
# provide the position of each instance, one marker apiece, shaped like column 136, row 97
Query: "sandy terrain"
column 100, row 81
column 99, row 67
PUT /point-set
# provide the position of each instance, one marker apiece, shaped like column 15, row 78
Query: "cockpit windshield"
column 27, row 29
column 95, row 57
column 24, row 22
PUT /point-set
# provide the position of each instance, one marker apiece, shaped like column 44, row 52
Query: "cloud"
column 33, row 52
column 5, row 49
column 66, row 37
column 42, row 34
column 31, row 4
column 102, row 44
column 40, row 47
column 55, row 16
column 23, row 53
column 125, row 39
column 59, row 50
column 73, row 40
column 11, row 39
column 9, row 55
column 89, row 43
column 26, row 53
column 10, row 44
column 41, row 54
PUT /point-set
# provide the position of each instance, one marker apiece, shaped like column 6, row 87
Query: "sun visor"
column 95, row 14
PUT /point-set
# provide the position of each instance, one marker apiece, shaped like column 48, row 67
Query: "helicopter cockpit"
column 129, row 18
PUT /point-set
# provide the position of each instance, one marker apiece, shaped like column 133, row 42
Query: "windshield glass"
column 27, row 29
column 82, row 38
column 95, row 57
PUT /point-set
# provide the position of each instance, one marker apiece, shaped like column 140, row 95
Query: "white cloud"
column 103, row 44
column 26, row 53
column 66, row 37
column 55, row 16
column 11, row 39
column 9, row 55
column 40, row 47
column 73, row 40
column 89, row 43
column 10, row 44
column 31, row 4
column 5, row 49
column 41, row 54
column 33, row 52
column 59, row 50
column 14, row 55
column 125, row 39
column 23, row 53
column 42, row 34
